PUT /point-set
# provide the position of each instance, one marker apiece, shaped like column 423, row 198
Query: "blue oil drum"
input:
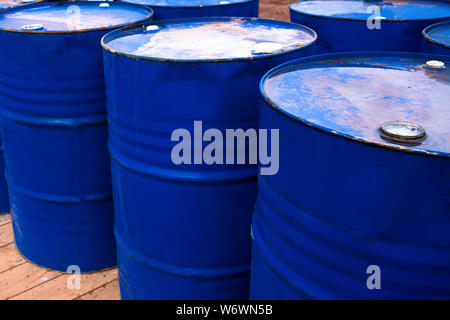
column 55, row 132
column 436, row 38
column 4, row 202
column 183, row 230
column 172, row 9
column 359, row 25
column 360, row 206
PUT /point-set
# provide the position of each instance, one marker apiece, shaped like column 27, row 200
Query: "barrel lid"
column 72, row 16
column 6, row 4
column 209, row 39
column 393, row 100
column 438, row 33
column 393, row 10
column 187, row 3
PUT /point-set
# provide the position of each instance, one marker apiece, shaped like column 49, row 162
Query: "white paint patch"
column 217, row 40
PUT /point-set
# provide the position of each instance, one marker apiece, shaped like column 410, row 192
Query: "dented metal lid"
column 186, row 3
column 438, row 33
column 391, row 100
column 393, row 10
column 7, row 4
column 77, row 16
column 209, row 39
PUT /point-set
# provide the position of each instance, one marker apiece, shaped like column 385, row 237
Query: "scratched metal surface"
column 354, row 95
column 70, row 16
column 211, row 39
column 6, row 4
column 393, row 10
column 439, row 33
column 186, row 3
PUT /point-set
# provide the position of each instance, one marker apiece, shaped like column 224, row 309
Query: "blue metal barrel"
column 436, row 38
column 183, row 230
column 55, row 132
column 172, row 9
column 359, row 25
column 360, row 206
column 4, row 202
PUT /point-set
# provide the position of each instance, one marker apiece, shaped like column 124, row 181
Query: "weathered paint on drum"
column 8, row 4
column 172, row 9
column 343, row 26
column 436, row 38
column 345, row 199
column 183, row 231
column 54, row 130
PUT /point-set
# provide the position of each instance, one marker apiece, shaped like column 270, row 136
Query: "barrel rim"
column 193, row 7
column 291, row 9
column 294, row 63
column 434, row 41
column 42, row 3
column 115, row 34
column 20, row 5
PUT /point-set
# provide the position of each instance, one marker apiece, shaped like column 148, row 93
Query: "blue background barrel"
column 183, row 231
column 171, row 9
column 344, row 199
column 436, row 38
column 4, row 202
column 342, row 24
column 55, row 134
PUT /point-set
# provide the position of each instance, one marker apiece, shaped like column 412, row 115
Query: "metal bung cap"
column 27, row 1
column 402, row 132
column 152, row 27
column 104, row 5
column 435, row 64
column 31, row 27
